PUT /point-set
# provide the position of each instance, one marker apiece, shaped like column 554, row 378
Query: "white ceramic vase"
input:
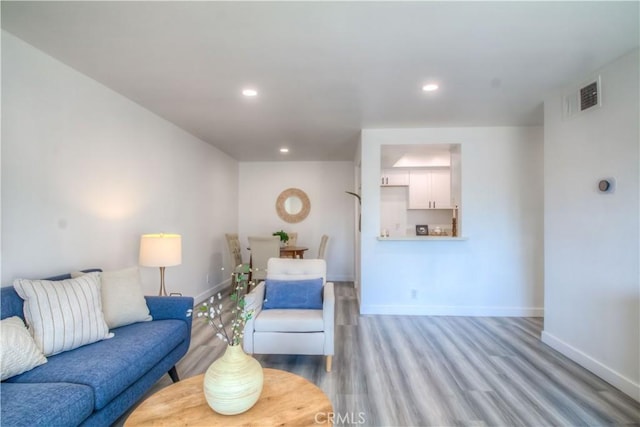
column 233, row 383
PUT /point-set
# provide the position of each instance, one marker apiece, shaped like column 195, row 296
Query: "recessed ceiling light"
column 284, row 150
column 249, row 92
column 430, row 87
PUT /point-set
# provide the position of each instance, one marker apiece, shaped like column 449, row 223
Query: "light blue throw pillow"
column 293, row 294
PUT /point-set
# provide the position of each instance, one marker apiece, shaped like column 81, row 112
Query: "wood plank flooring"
column 440, row 371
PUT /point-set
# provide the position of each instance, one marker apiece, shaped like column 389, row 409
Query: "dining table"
column 292, row 251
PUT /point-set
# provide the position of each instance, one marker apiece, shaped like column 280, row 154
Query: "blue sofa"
column 95, row 384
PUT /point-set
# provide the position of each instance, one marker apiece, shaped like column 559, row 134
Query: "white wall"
column 592, row 278
column 498, row 270
column 1, row 115
column 332, row 210
column 357, row 177
column 86, row 171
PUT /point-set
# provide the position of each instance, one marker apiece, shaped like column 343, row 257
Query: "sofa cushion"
column 123, row 301
column 18, row 352
column 50, row 404
column 110, row 366
column 289, row 320
column 10, row 303
column 63, row 315
column 305, row 293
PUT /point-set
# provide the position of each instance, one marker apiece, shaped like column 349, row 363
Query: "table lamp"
column 160, row 250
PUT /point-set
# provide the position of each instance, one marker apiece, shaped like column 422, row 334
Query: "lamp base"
column 163, row 291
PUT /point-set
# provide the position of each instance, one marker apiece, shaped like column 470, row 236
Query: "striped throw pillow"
column 63, row 315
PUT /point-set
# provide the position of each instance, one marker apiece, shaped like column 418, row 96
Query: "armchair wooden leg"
column 329, row 359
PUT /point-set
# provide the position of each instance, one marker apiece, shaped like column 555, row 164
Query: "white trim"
column 206, row 294
column 340, row 278
column 422, row 238
column 626, row 385
column 424, row 310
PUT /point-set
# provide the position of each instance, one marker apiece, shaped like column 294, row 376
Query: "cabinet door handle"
column 382, row 181
column 429, row 204
column 434, row 204
column 386, row 181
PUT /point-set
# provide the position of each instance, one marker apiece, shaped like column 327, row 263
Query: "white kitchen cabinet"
column 430, row 189
column 394, row 177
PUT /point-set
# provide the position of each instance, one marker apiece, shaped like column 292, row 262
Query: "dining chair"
column 262, row 248
column 235, row 251
column 235, row 254
column 323, row 246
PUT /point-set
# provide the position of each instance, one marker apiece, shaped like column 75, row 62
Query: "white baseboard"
column 424, row 310
column 339, row 278
column 206, row 294
column 614, row 378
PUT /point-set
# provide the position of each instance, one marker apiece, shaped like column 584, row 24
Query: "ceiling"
column 325, row 70
column 423, row 155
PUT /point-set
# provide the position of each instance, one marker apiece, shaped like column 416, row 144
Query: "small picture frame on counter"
column 422, row 230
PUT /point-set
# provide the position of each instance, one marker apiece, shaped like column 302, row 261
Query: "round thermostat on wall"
column 607, row 185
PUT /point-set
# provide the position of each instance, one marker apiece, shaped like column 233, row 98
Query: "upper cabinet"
column 395, row 177
column 430, row 188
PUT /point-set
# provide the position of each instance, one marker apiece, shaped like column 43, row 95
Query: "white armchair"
column 292, row 330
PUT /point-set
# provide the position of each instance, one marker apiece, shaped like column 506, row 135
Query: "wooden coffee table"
column 286, row 400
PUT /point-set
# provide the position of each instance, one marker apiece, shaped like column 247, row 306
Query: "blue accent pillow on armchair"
column 293, row 294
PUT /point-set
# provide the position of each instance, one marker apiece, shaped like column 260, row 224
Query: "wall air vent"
column 587, row 97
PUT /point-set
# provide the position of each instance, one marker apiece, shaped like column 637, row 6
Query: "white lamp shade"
column 160, row 250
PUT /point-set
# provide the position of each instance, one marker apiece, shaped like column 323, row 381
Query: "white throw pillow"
column 123, row 301
column 65, row 314
column 18, row 351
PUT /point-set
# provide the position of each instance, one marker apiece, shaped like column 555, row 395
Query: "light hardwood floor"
column 440, row 371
